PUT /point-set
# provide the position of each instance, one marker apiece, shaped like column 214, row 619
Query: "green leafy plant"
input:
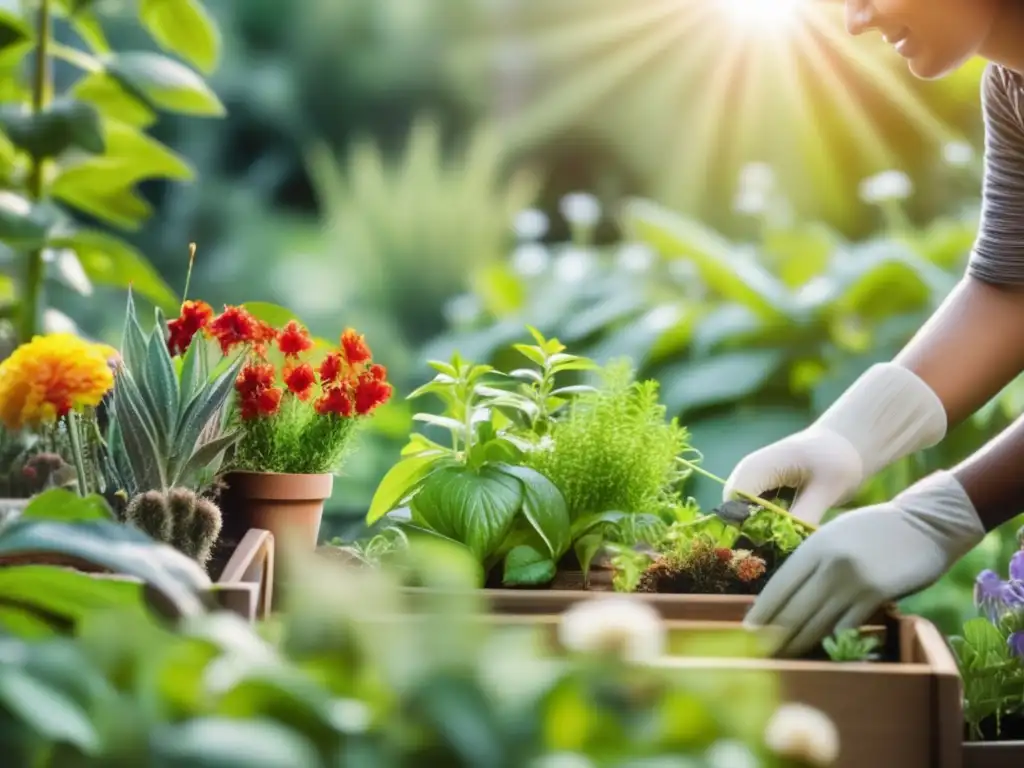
column 168, row 427
column 179, row 517
column 86, row 149
column 851, row 645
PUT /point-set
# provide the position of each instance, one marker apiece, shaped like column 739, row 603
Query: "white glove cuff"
column 942, row 504
column 887, row 414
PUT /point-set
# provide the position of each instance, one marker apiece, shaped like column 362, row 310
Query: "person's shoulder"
column 1002, row 95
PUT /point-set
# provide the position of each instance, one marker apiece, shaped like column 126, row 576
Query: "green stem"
column 188, row 276
column 749, row 497
column 76, row 451
column 32, row 300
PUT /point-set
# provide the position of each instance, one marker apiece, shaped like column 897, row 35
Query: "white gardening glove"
column 864, row 558
column 887, row 414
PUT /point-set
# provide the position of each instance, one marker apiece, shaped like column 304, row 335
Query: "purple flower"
column 1012, row 593
column 1016, row 643
column 990, row 594
column 1017, row 566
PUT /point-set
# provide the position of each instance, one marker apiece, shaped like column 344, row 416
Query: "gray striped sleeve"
column 998, row 255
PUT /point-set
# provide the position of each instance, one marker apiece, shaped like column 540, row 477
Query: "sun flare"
column 764, row 16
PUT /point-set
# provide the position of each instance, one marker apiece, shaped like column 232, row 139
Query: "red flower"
column 354, row 346
column 378, row 372
column 336, row 401
column 300, row 381
column 370, row 393
column 331, row 368
column 268, row 401
column 236, row 326
column 294, row 340
column 724, row 554
column 195, row 315
column 254, row 378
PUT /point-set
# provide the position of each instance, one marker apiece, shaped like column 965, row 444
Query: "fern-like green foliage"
column 614, row 449
column 179, row 517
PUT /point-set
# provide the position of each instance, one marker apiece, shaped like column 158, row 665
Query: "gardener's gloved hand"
column 887, row 414
column 846, row 570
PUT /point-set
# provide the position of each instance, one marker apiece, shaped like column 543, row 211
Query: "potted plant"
column 295, row 420
column 990, row 656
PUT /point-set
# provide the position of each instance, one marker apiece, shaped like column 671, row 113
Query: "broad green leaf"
column 47, row 712
column 723, row 378
column 22, row 224
column 525, row 566
column 986, row 641
column 725, row 273
column 164, row 83
column 114, row 100
column 183, row 27
column 60, row 505
column 147, row 157
column 399, row 481
column 117, row 548
column 445, row 422
column 544, row 507
column 161, row 389
column 533, row 354
column 109, row 260
column 65, row 124
column 228, row 742
column 14, row 31
column 800, row 254
column 102, row 188
column 474, row 508
column 67, row 593
column 584, row 525
column 585, row 548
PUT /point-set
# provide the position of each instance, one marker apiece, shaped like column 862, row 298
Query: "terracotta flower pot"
column 289, row 506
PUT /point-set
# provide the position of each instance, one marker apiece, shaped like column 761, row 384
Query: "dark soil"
column 1010, row 729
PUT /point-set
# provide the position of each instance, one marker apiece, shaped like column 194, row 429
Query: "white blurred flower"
column 730, row 754
column 800, row 732
column 627, row 628
column 581, row 209
column 462, row 309
column 531, row 224
column 663, row 317
column 350, row 715
column 573, row 265
column 750, row 202
column 636, row 257
column 758, row 177
column 958, row 153
column 887, row 185
column 530, row 259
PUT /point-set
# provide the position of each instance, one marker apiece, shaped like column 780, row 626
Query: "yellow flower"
column 51, row 375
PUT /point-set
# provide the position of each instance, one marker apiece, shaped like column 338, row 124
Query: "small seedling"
column 851, row 645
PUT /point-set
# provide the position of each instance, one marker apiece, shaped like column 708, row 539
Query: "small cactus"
column 179, row 517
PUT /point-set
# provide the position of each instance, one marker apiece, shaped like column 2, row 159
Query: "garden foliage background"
column 754, row 219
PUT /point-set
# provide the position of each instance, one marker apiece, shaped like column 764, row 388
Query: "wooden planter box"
column 889, row 715
column 994, row 754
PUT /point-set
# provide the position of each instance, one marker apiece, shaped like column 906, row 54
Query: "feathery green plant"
column 168, row 427
column 179, row 517
column 614, row 449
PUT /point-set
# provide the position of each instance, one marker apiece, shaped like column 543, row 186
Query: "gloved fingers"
column 814, row 620
column 782, row 588
column 764, row 470
column 812, row 502
column 860, row 611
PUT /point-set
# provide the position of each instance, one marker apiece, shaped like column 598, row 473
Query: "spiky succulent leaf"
column 161, row 390
column 193, row 370
column 139, row 432
column 133, row 343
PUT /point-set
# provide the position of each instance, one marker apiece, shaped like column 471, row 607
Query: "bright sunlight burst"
column 764, row 16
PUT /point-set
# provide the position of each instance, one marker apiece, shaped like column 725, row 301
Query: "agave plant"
column 169, row 426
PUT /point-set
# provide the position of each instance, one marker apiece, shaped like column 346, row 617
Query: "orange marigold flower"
column 195, row 315
column 370, row 393
column 331, row 368
column 355, row 348
column 254, row 378
column 50, row 376
column 336, row 401
column 750, row 568
column 235, row 326
column 294, row 340
column 300, row 380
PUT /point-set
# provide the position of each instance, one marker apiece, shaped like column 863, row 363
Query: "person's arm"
column 974, row 344
column 993, row 478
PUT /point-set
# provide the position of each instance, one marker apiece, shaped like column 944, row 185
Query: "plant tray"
column 995, row 754
column 889, row 715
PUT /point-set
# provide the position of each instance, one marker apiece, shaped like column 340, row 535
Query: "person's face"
column 935, row 36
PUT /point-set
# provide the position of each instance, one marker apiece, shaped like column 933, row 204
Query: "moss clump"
column 614, row 449
column 703, row 568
